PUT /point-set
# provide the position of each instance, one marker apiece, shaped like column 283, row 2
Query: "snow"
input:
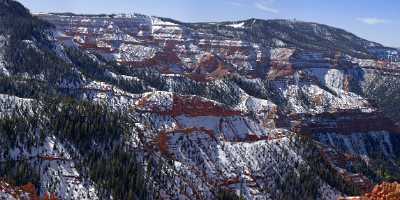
column 7, row 196
column 282, row 54
column 227, row 43
column 161, row 100
column 70, row 183
column 131, row 52
column 357, row 143
column 209, row 122
column 59, row 173
column 314, row 94
column 163, row 29
column 327, row 192
column 8, row 103
column 3, row 69
column 83, row 30
column 235, row 128
column 278, row 42
column 237, row 25
column 222, row 158
column 159, row 22
column 206, row 150
column 260, row 107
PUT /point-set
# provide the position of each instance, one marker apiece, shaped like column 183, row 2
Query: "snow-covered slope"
column 140, row 107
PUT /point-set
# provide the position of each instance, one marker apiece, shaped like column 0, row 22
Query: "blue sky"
column 376, row 20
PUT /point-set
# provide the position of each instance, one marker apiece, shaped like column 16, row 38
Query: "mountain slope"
column 131, row 106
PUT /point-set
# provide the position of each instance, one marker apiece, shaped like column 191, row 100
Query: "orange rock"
column 163, row 143
column 280, row 70
column 31, row 189
column 196, row 106
column 191, row 106
column 50, row 196
column 384, row 191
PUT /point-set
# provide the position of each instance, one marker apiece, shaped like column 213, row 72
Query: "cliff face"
column 163, row 109
column 382, row 191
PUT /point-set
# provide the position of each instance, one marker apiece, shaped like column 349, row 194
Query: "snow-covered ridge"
column 209, row 106
column 138, row 40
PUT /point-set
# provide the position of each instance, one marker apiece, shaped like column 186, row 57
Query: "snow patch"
column 237, row 25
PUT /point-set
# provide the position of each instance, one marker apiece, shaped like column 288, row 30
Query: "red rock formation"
column 163, row 143
column 346, row 83
column 208, row 63
column 196, row 106
column 210, row 67
column 256, row 138
column 20, row 191
column 31, row 190
column 318, row 100
column 52, row 158
column 50, row 196
column 230, row 181
column 384, row 191
column 168, row 55
column 279, row 70
column 188, row 105
column 339, row 162
column 161, row 59
column 164, row 136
